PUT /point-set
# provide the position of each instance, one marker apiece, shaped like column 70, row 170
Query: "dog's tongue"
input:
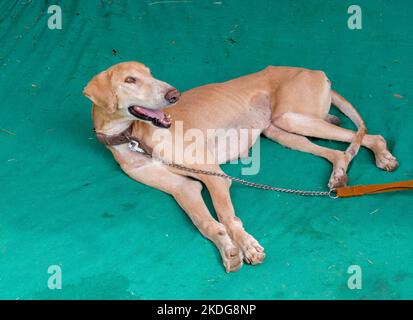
column 157, row 114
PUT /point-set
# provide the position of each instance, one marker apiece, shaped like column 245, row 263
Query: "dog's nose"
column 172, row 96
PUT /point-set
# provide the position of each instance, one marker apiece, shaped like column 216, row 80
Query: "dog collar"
column 115, row 139
column 122, row 138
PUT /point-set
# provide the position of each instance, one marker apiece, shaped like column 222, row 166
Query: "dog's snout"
column 172, row 96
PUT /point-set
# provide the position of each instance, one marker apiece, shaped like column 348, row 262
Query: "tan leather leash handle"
column 356, row 191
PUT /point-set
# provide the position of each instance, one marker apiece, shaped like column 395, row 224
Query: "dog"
column 285, row 104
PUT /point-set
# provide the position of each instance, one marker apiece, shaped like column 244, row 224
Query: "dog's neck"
column 107, row 124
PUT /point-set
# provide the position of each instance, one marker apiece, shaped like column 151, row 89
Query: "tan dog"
column 285, row 104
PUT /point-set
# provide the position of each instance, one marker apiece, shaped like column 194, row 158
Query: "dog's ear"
column 100, row 91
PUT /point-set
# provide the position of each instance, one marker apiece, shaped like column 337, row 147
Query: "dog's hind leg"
column 318, row 128
column 338, row 158
column 187, row 192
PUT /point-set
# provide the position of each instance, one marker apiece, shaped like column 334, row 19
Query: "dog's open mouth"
column 157, row 117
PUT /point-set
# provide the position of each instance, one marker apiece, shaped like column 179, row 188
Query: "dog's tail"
column 345, row 107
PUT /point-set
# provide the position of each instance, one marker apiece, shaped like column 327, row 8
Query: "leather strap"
column 116, row 139
column 356, row 191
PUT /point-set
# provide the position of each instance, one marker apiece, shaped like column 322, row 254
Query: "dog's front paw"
column 252, row 250
column 231, row 257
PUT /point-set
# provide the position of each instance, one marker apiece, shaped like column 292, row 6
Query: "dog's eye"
column 130, row 80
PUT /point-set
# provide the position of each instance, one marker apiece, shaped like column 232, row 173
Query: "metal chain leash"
column 134, row 146
column 331, row 194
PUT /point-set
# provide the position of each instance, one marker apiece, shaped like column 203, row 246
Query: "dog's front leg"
column 187, row 192
column 219, row 191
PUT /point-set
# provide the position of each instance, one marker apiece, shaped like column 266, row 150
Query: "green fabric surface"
column 64, row 201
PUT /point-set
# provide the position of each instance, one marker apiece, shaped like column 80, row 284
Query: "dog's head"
column 129, row 90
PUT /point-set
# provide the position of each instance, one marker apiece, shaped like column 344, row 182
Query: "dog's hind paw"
column 338, row 179
column 386, row 161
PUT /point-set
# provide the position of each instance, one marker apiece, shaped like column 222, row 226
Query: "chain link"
column 134, row 146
